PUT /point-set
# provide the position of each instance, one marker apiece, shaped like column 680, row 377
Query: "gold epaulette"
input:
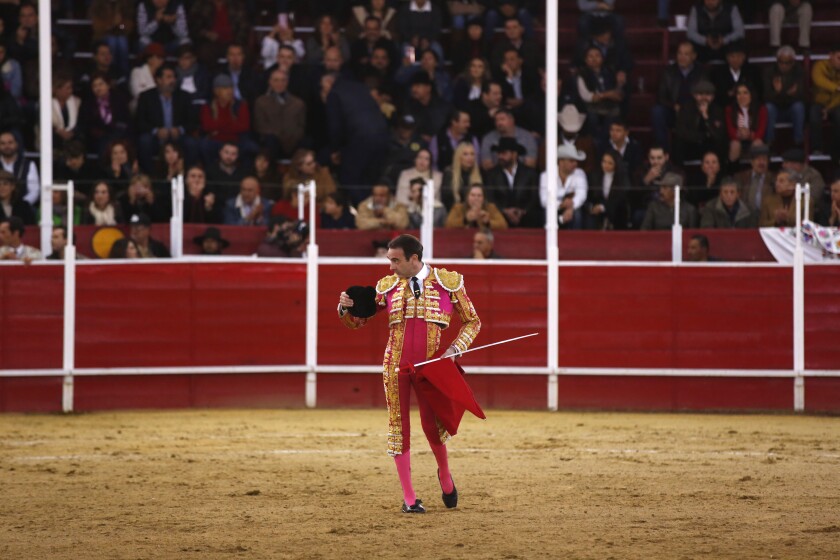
column 451, row 281
column 387, row 284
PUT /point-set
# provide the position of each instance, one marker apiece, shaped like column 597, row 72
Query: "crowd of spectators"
column 385, row 97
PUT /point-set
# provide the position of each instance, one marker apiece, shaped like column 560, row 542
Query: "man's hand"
column 345, row 301
column 568, row 215
column 209, row 201
column 781, row 216
column 513, row 215
column 451, row 353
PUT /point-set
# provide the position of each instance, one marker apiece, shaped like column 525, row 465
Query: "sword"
column 477, row 348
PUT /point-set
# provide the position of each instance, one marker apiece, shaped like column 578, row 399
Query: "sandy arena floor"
column 317, row 484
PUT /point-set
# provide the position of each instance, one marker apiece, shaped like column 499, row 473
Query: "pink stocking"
column 403, row 462
column 442, row 458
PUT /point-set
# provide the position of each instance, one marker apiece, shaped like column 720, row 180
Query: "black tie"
column 415, row 286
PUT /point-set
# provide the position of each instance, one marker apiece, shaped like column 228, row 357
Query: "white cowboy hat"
column 570, row 119
column 565, row 151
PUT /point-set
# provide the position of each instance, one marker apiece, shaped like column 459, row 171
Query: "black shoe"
column 449, row 500
column 416, row 508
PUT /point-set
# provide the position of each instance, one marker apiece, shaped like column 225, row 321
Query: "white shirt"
column 607, row 186
column 33, row 181
column 421, row 277
column 575, row 185
column 415, row 8
column 510, row 175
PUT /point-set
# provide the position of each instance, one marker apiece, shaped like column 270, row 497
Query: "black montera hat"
column 364, row 301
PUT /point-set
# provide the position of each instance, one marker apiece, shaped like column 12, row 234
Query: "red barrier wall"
column 190, row 315
column 686, row 317
column 822, row 317
column 31, row 316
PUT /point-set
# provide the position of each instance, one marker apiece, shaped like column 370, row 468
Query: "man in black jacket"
column 675, row 91
column 164, row 114
column 512, row 186
column 701, row 126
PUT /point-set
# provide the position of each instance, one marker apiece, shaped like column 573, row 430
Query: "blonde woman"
column 476, row 212
column 463, row 172
column 304, row 168
column 422, row 170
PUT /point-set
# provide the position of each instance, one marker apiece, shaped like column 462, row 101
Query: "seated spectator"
column 141, row 198
column 654, row 170
column 74, row 167
column 778, row 209
column 795, row 161
column 164, row 22
column 415, row 206
column 825, row 78
column 518, row 82
column 327, row 34
column 381, row 211
column 358, row 134
column 119, row 165
column 280, row 117
column 712, row 25
column 746, row 122
column 506, row 128
column 11, row 204
column 143, row 76
column 675, row 91
column 512, row 187
column 476, row 212
column 442, row 147
column 379, row 9
column 192, row 76
column 60, row 212
column 704, row 185
column 726, row 77
column 727, row 210
column 698, row 249
column 26, row 173
column 615, row 54
column 214, row 24
column 757, row 182
column 790, row 11
column 336, row 213
column 628, row 148
column 429, row 110
column 104, row 115
column 372, row 38
column 299, row 78
column 281, row 35
column 602, row 11
column 270, row 178
column 172, row 163
column 65, row 112
column 500, row 11
column 58, row 242
column 422, row 169
column 225, row 120
column 571, row 134
column 103, row 63
column 12, row 247
column 164, row 113
column 483, row 243
column 660, row 211
column 598, row 87
column 201, row 205
column 305, row 168
column 463, row 172
column 784, row 85
column 11, row 75
column 211, row 242
column 830, row 214
column 428, row 63
column 246, row 83
column 125, row 248
column 572, row 188
column 483, row 110
column 701, row 125
column 467, row 85
column 285, row 238
column 469, row 46
column 378, row 73
column 112, row 21
column 141, row 233
column 248, row 208
column 606, row 200
column 419, row 24
column 225, row 175
column 102, row 210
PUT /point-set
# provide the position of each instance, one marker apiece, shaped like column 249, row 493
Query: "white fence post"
column 676, row 229
column 798, row 310
column 551, row 248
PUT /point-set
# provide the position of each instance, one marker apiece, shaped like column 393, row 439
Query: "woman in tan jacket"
column 476, row 212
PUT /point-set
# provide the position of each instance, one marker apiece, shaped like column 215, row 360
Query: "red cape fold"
column 443, row 386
